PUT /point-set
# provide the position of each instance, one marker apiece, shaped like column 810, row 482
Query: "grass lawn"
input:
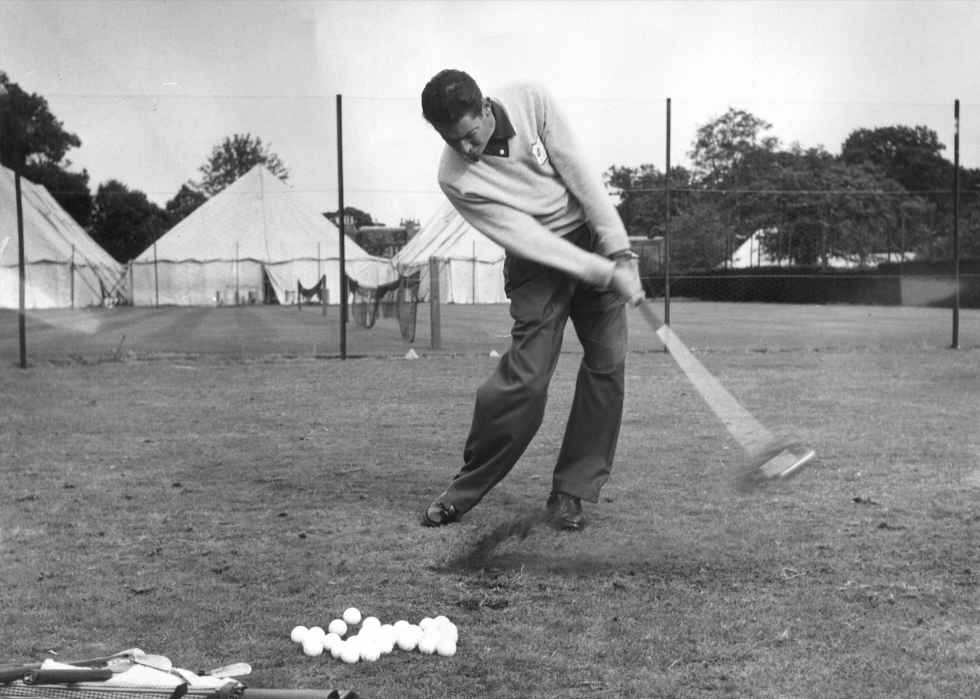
column 199, row 504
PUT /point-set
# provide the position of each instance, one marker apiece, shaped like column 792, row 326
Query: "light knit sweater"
column 543, row 190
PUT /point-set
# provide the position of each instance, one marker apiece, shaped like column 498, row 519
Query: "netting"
column 317, row 292
column 398, row 299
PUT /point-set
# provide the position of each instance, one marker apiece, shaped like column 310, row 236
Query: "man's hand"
column 626, row 280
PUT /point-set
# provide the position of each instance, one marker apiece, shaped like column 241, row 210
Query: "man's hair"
column 450, row 96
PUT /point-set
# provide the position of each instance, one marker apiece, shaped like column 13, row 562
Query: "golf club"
column 770, row 458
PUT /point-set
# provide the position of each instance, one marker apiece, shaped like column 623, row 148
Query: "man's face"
column 470, row 134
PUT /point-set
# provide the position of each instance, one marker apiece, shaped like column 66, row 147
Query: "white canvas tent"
column 752, row 253
column 250, row 243
column 64, row 267
column 470, row 264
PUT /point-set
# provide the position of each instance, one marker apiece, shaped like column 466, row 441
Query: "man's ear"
column 486, row 107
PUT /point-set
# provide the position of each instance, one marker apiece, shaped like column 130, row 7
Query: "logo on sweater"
column 539, row 153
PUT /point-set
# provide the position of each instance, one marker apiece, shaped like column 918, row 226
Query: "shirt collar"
column 498, row 146
column 503, row 129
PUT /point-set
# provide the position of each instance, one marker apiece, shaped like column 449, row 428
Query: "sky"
column 151, row 86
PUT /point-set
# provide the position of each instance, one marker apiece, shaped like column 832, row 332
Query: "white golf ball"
column 426, row 623
column 330, row 640
column 338, row 648
column 370, row 652
column 388, row 631
column 446, row 647
column 408, row 640
column 385, row 644
column 351, row 653
column 449, row 631
column 371, row 622
column 352, row 616
column 318, row 630
column 428, row 643
column 442, row 621
column 312, row 646
column 298, row 634
column 338, row 627
column 400, row 624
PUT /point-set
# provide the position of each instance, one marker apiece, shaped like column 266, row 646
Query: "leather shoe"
column 439, row 514
column 565, row 512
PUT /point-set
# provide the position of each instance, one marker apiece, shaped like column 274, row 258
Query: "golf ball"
column 352, row 616
column 408, row 640
column 312, row 646
column 318, row 630
column 426, row 623
column 446, row 647
column 330, row 640
column 371, row 622
column 385, row 645
column 298, row 634
column 350, row 653
column 442, row 621
column 338, row 648
column 338, row 627
column 449, row 631
column 370, row 652
column 428, row 643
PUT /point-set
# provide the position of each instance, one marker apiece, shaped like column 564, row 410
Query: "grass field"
column 199, row 497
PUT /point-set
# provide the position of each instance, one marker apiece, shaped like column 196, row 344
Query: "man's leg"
column 510, row 405
column 592, row 431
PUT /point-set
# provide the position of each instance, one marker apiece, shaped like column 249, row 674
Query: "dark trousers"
column 510, row 405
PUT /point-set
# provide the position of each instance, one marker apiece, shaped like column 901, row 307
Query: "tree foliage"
column 809, row 204
column 351, row 215
column 184, row 203
column 28, row 129
column 35, row 142
column 722, row 146
column 125, row 222
column 234, row 157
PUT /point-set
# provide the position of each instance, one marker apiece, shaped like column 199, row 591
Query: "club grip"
column 10, row 674
column 65, row 676
column 256, row 693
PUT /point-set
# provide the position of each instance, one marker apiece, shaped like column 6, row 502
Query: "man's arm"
column 520, row 234
column 568, row 158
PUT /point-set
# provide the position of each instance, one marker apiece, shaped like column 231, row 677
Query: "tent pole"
column 156, row 274
column 71, row 271
column 21, row 317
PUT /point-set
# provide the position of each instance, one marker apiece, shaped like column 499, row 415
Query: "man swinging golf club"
column 514, row 170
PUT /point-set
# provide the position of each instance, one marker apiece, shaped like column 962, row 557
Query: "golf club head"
column 777, row 461
column 233, row 670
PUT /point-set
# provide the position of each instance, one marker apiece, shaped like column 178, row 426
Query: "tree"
column 34, row 142
column 184, row 204
column 909, row 155
column 352, row 216
column 642, row 201
column 721, row 146
column 841, row 210
column 234, row 157
column 124, row 221
column 28, row 129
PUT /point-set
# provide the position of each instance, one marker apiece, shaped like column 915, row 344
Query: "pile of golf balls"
column 374, row 639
